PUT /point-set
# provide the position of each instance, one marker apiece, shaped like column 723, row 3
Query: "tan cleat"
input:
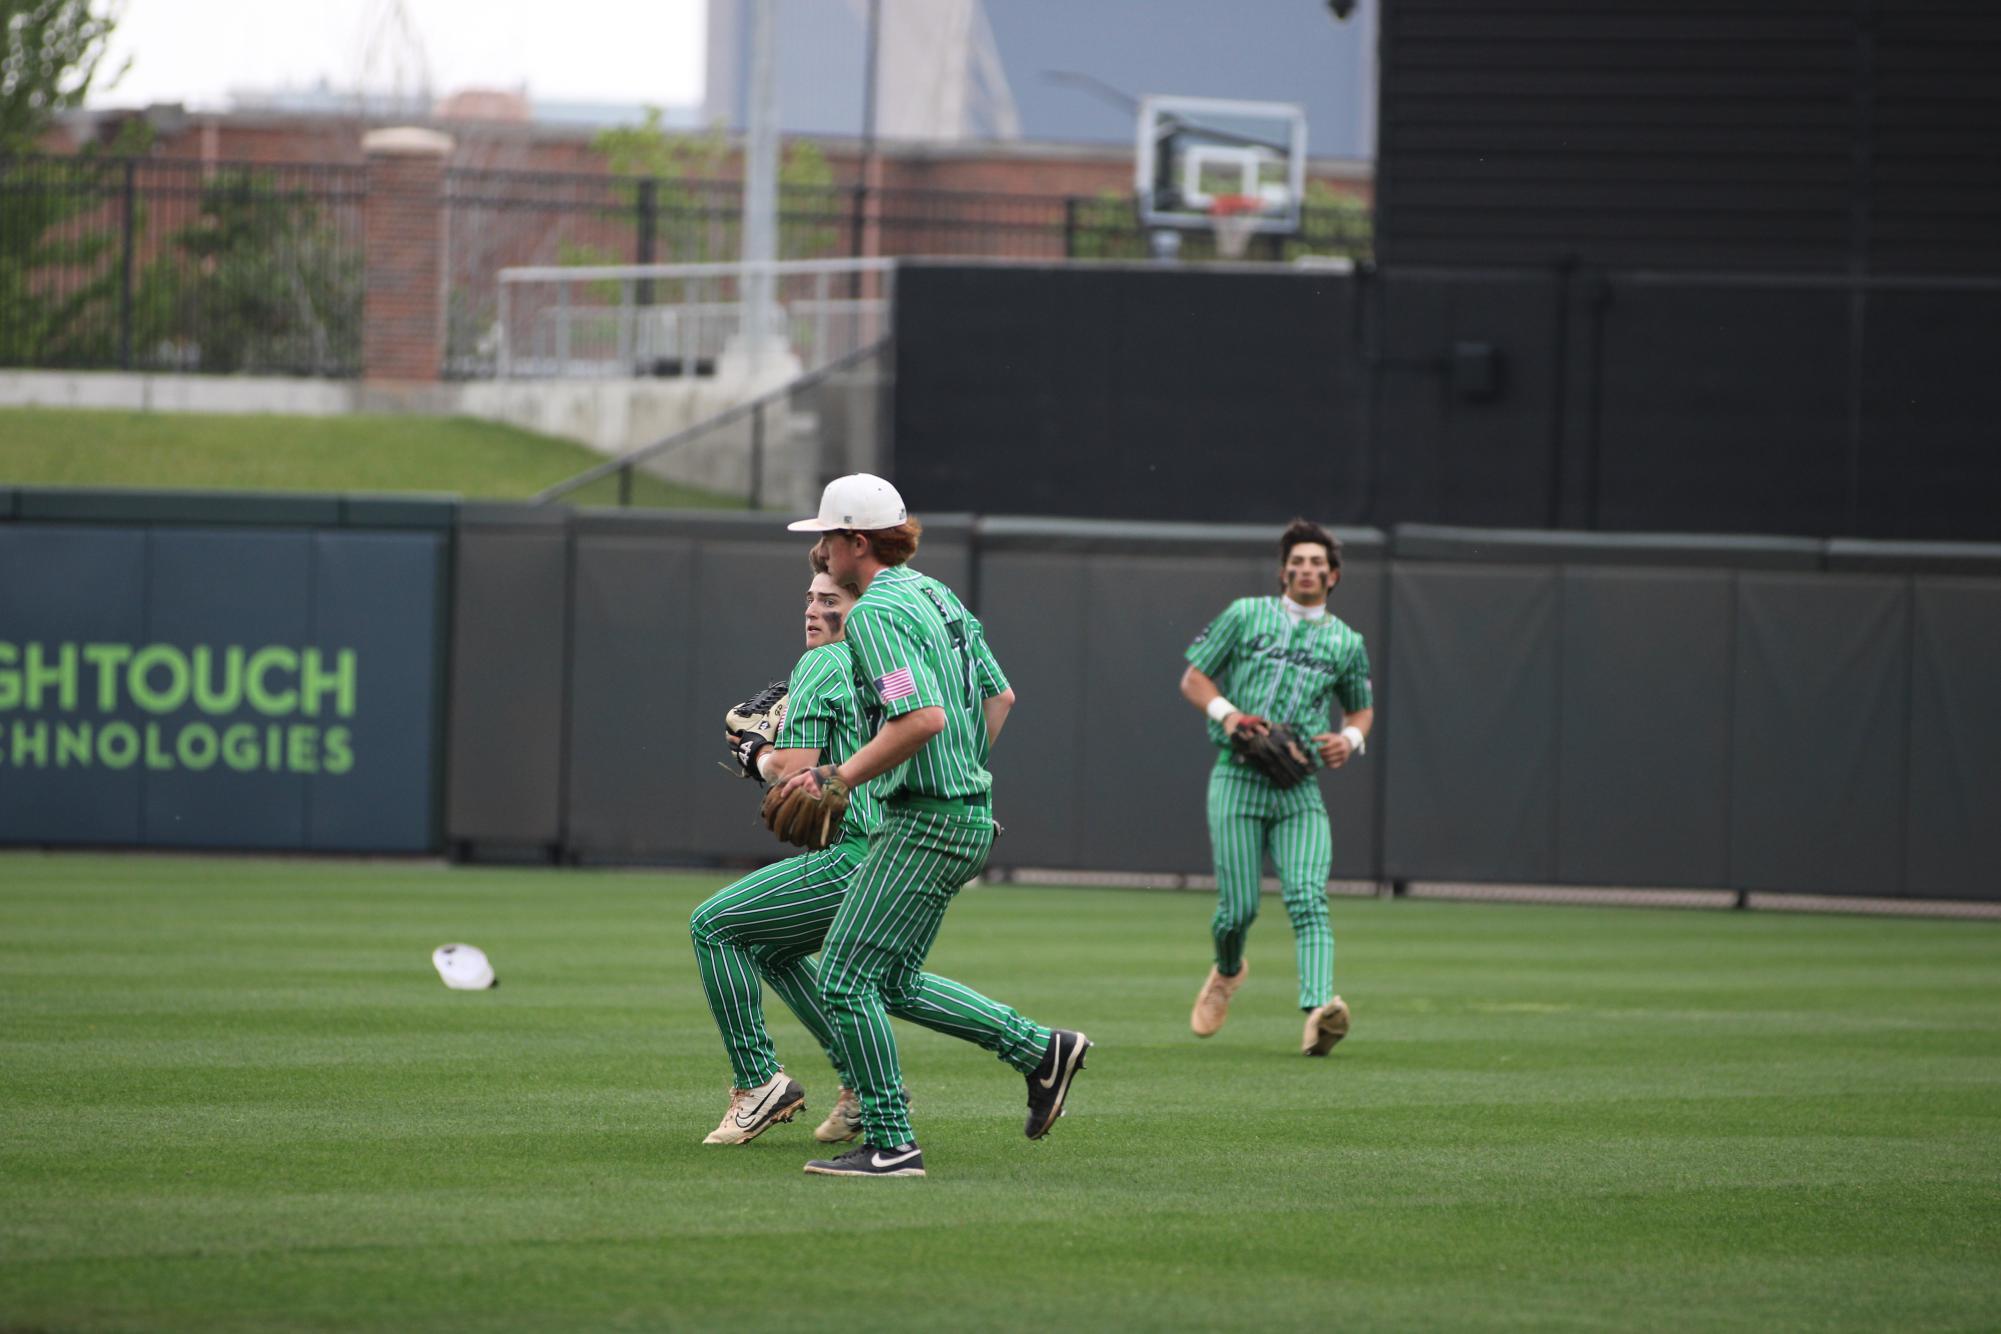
column 1212, row 1003
column 754, row 1111
column 845, row 1121
column 1324, row 1027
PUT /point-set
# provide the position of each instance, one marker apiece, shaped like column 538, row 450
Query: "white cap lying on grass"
column 464, row 967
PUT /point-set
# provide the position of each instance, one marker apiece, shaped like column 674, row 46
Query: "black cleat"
column 868, row 1161
column 1050, row 1083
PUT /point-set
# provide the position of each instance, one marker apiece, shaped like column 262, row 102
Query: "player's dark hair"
column 1305, row 530
column 819, row 564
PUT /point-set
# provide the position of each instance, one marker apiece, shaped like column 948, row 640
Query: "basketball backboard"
column 1193, row 151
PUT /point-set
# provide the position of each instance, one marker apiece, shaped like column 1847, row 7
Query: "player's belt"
column 974, row 804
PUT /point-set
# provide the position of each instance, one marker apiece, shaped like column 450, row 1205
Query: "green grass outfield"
column 359, row 452
column 236, row 1097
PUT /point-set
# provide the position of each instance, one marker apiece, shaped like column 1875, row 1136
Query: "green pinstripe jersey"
column 916, row 646
column 1284, row 669
column 824, row 712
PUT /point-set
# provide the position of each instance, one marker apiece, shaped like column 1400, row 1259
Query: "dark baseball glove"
column 752, row 725
column 1274, row 752
column 809, row 815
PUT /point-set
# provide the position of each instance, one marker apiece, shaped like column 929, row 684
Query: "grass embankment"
column 357, row 453
column 237, row 1098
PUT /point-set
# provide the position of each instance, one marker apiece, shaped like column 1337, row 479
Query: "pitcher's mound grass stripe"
column 237, row 1097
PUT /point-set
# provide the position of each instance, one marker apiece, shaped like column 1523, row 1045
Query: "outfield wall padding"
column 1643, row 737
column 1953, row 805
column 207, row 673
column 1646, row 710
column 510, row 626
column 1667, row 711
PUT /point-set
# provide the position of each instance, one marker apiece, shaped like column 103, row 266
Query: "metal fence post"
column 563, row 326
column 820, row 353
column 627, row 315
column 125, row 265
column 625, row 487
column 503, row 358
column 1070, row 226
column 649, row 228
column 857, row 219
column 757, row 457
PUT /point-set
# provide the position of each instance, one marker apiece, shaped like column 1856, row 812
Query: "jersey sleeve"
column 986, row 668
column 809, row 704
column 1213, row 648
column 1352, row 686
column 892, row 661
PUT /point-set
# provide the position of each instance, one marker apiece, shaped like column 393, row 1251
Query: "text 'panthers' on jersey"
column 1284, row 668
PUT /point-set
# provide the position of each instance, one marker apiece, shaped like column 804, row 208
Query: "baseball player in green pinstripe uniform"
column 766, row 925
column 923, row 660
column 1286, row 660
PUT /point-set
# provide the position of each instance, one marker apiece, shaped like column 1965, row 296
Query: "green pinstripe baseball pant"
column 871, row 966
column 1247, row 817
column 765, row 926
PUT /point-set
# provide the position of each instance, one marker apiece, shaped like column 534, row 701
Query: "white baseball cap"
column 464, row 967
column 859, row 501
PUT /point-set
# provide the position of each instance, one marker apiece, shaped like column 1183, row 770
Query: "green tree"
column 57, row 286
column 51, row 52
column 1105, row 226
column 260, row 282
column 700, row 219
column 1332, row 223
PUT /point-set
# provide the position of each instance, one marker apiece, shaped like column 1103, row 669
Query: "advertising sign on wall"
column 257, row 688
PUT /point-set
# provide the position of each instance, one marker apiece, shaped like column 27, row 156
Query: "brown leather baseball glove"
column 808, row 815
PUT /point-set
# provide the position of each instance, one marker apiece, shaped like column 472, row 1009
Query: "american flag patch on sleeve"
column 899, row 684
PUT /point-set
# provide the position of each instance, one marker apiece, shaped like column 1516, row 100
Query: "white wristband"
column 1220, row 708
column 1357, row 743
column 764, row 753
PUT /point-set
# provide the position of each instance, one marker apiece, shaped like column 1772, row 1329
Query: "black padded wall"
column 1821, row 694
column 510, row 618
column 1126, row 391
column 1700, row 712
column 1811, row 136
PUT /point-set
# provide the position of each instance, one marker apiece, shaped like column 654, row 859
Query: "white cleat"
column 754, row 1111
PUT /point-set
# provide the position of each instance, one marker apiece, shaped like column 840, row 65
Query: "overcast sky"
column 197, row 51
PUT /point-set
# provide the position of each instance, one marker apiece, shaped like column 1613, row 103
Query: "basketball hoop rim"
column 1233, row 219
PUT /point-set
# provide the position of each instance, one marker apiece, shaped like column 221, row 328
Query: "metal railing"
column 677, row 319
column 749, row 425
column 506, row 219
